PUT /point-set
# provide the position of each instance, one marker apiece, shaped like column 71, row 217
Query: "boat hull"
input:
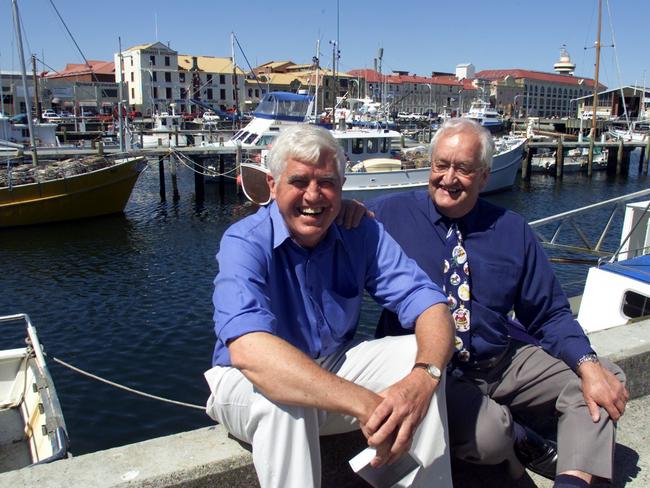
column 100, row 192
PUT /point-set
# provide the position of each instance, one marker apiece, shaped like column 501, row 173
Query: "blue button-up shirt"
column 509, row 270
column 310, row 298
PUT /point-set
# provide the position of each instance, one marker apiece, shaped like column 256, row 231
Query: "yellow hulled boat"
column 58, row 192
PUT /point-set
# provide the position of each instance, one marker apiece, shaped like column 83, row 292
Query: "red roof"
column 97, row 67
column 499, row 74
column 373, row 76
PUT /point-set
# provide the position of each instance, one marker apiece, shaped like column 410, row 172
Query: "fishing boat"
column 481, row 112
column 638, row 131
column 32, row 428
column 366, row 184
column 66, row 190
column 14, row 134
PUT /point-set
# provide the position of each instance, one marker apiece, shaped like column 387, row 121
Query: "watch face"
column 434, row 371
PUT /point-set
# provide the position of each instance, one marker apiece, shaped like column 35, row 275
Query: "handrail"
column 569, row 218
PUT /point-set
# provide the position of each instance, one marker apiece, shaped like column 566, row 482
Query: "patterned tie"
column 457, row 287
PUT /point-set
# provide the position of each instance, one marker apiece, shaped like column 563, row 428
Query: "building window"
column 155, row 92
column 222, row 94
column 257, row 92
column 166, row 60
column 168, row 76
column 154, row 75
column 209, row 93
column 250, row 93
column 183, row 93
column 132, row 93
column 209, row 79
column 152, row 60
column 132, row 76
column 131, row 58
column 222, row 79
column 168, row 93
column 181, row 77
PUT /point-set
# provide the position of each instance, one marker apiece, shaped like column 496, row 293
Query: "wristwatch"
column 433, row 370
column 587, row 358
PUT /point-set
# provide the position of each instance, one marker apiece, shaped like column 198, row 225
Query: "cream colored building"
column 157, row 76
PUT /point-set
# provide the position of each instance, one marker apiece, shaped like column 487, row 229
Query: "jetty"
column 209, row 457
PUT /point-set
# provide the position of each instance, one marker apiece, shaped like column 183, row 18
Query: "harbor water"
column 128, row 297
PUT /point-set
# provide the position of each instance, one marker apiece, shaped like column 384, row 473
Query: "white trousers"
column 285, row 439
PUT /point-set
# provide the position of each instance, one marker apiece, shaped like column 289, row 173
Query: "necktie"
column 457, row 288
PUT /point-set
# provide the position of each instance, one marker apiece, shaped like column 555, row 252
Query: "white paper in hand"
column 385, row 476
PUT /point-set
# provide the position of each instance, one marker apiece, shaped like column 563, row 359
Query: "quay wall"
column 210, row 457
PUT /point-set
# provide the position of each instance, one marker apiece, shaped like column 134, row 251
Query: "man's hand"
column 391, row 426
column 602, row 389
column 351, row 213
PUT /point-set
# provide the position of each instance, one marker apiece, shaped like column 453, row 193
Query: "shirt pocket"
column 494, row 285
column 341, row 313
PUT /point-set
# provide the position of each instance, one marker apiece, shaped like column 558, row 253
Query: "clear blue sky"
column 418, row 36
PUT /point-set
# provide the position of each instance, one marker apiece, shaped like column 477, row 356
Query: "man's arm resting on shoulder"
column 405, row 403
column 602, row 389
column 286, row 375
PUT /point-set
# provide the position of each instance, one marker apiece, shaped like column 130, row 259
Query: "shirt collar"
column 468, row 221
column 281, row 231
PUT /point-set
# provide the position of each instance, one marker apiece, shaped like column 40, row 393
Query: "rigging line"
column 618, row 67
column 247, row 62
column 92, row 72
column 123, row 387
column 46, row 65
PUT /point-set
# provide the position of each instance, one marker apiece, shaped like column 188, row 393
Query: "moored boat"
column 32, row 428
column 67, row 190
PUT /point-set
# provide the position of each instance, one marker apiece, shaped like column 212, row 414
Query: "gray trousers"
column 528, row 383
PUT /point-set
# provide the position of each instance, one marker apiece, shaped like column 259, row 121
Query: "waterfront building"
column 156, row 76
column 292, row 77
column 87, row 88
column 12, row 101
column 405, row 92
column 613, row 103
column 523, row 92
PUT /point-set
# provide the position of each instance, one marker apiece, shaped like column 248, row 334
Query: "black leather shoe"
column 537, row 454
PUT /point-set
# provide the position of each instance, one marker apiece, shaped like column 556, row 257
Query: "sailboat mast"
column 23, row 73
column 234, row 79
column 595, row 102
column 317, row 58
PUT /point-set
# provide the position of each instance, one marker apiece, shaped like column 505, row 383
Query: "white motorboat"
column 481, row 112
column 32, row 428
column 165, row 131
column 575, row 160
column 16, row 134
column 275, row 111
column 638, row 131
column 365, row 184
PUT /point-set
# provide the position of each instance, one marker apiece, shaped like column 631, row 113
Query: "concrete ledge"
column 209, row 457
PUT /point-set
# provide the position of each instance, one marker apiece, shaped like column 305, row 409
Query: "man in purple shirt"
column 495, row 382
column 286, row 366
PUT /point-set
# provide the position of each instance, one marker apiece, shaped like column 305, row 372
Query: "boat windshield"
column 284, row 106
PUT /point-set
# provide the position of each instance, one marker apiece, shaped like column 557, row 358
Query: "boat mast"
column 23, row 73
column 595, row 102
column 234, row 78
column 317, row 60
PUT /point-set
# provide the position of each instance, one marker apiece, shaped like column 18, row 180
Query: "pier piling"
column 161, row 177
column 619, row 157
column 525, row 168
column 647, row 155
column 590, row 157
column 199, row 186
column 172, row 163
column 559, row 158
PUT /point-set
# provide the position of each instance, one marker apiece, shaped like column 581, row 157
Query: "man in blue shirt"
column 286, row 366
column 496, row 381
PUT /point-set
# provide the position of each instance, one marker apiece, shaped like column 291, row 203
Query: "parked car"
column 66, row 114
column 50, row 115
column 134, row 114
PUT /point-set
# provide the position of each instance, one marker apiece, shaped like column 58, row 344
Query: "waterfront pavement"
column 208, row 457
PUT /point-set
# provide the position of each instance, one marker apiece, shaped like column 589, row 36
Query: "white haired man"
column 286, row 366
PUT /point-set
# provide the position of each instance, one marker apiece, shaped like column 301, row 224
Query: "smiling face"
column 455, row 192
column 308, row 197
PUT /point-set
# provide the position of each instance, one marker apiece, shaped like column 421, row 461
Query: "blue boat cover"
column 637, row 268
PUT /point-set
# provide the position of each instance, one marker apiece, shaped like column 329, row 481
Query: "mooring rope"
column 123, row 387
column 206, row 171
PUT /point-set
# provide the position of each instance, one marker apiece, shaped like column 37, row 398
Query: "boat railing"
column 577, row 220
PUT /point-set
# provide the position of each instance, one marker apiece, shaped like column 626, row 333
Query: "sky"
column 418, row 36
